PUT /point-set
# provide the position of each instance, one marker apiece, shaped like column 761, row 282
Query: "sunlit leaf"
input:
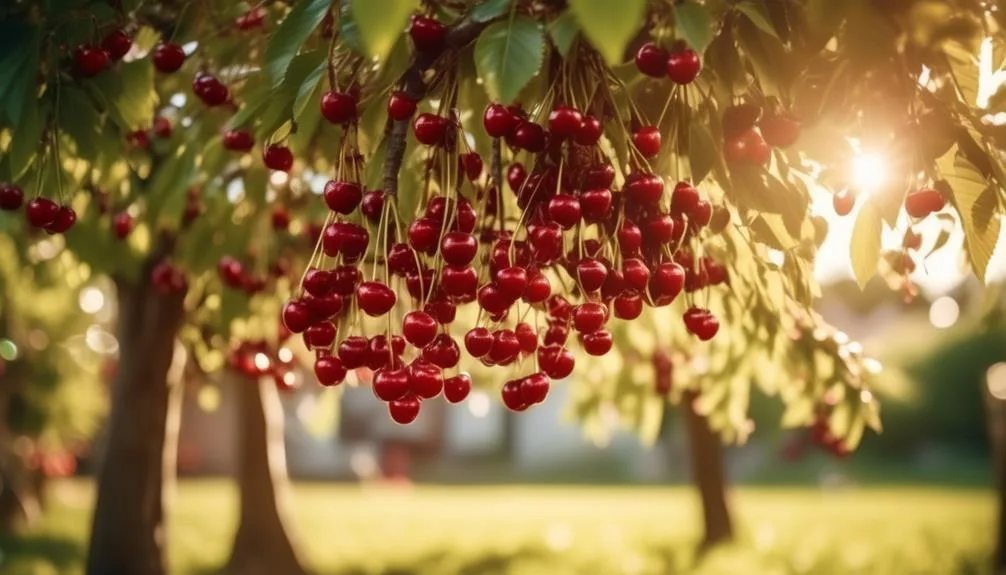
column 609, row 25
column 864, row 249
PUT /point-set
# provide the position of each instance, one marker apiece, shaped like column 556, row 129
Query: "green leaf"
column 302, row 76
column 488, row 10
column 25, row 140
column 964, row 69
column 977, row 206
column 349, row 31
column 756, row 14
column 131, row 93
column 766, row 55
column 702, row 151
column 166, row 192
column 79, row 120
column 381, row 23
column 291, row 35
column 508, row 55
column 254, row 101
column 563, row 31
column 693, row 23
column 609, row 26
column 865, row 245
column 18, row 66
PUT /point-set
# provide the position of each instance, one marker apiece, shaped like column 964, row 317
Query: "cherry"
column 345, row 279
column 512, row 397
column 740, row 118
column 372, row 205
column 628, row 306
column 238, row 141
column 66, row 217
column 375, row 298
column 231, row 271
column 707, row 327
column 466, row 216
column 652, row 60
column 11, row 197
column 390, row 384
column 844, row 201
column 659, row 228
column 472, row 164
column 599, row 176
column 646, row 139
column 546, row 242
column 405, row 410
column 168, row 57
column 780, row 131
column 425, row 379
column 400, row 107
column 344, row 238
column 636, row 274
column 512, row 281
column 423, row 234
column 380, row 355
column 342, row 197
column 278, row 157
column 527, row 337
column 559, row 308
column 444, row 311
column 597, row 343
column 458, row 248
column 684, row 199
column 538, row 289
column 280, row 218
column 758, row 151
column 529, row 136
column 460, row 281
column 499, row 121
column 643, row 188
column 589, row 132
column 89, row 61
column 443, row 352
column 117, row 43
column 595, row 204
column 556, row 334
column 591, row 273
column 353, row 351
column 429, row 129
column 321, row 335
column 556, row 361
column 420, row 285
column 419, row 328
column 683, row 65
column 324, row 306
column 210, row 90
column 589, row 317
column 506, row 347
column 702, row 214
column 296, row 316
column 40, row 212
column 338, row 107
column 162, row 128
column 478, row 341
column 427, row 33
column 122, row 224
column 251, row 19
column 457, row 388
column 516, row 175
column 666, row 282
column 564, row 209
column 630, row 237
column 564, row 122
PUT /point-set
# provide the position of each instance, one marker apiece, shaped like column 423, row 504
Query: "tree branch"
column 412, row 85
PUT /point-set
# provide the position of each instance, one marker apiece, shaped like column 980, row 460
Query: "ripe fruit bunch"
column 748, row 137
column 40, row 213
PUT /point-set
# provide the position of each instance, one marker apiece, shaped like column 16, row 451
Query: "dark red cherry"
column 589, row 317
column 401, row 107
column 597, row 343
column 564, row 122
column 168, row 57
column 512, row 397
column 66, row 217
column 630, row 237
column 11, row 197
column 391, row 384
column 527, row 337
column 472, row 164
column 589, row 132
column 375, row 298
column 780, row 131
column 429, row 129
column 457, row 388
column 443, row 352
column 210, row 90
column 353, row 351
column 556, row 361
column 345, row 279
column 296, row 316
column 322, row 307
column 644, row 189
column 405, row 410
column 564, row 209
column 493, row 300
column 516, row 175
column 478, row 341
column 419, row 328
column 460, row 281
column 89, row 61
column 342, row 196
column 338, row 107
column 499, row 121
column 683, row 65
column 344, row 238
column 117, row 43
column 647, row 141
column 666, row 282
column 425, row 379
column 329, row 370
column 238, row 140
column 278, row 157
column 538, row 289
column 320, row 335
column 122, row 224
column 599, row 176
column 659, row 228
column 529, row 136
column 505, row 348
column 423, row 235
column 652, row 60
column 458, row 248
column 595, row 204
column 512, row 281
column 372, row 205
column 636, row 274
column 427, row 33
column 591, row 273
column 628, row 306
column 684, row 199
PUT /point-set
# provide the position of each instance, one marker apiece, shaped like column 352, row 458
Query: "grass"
column 557, row 530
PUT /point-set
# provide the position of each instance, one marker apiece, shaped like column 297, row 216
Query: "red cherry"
column 427, row 33
column 391, row 384
column 338, row 107
column 353, row 352
column 472, row 164
column 707, row 328
column 238, row 140
column 506, row 347
column 516, row 175
column 372, row 205
column 457, row 388
column 296, row 316
column 122, row 224
column 589, row 317
column 597, row 343
column 321, row 335
column 162, row 127
column 499, row 121
column 405, row 410
column 280, row 218
column 400, row 107
column 644, row 189
column 694, row 316
column 564, row 122
column 41, row 212
column 381, row 355
column 512, row 281
column 636, row 274
column 534, row 388
column 423, row 235
column 556, row 361
column 458, row 248
column 210, row 90
column 512, row 397
column 443, row 352
column 11, row 197
column 702, row 214
column 659, row 228
column 251, row 19
column 646, row 139
column 460, row 281
column 342, row 197
column 65, row 219
column 478, row 341
column 559, row 308
column 442, row 310
column 599, row 176
column 420, row 285
column 666, row 282
column 529, row 136
column 780, row 131
column 684, row 200
column 429, row 129
column 375, row 298
column 344, row 238
column 117, row 43
column 844, row 201
column 591, row 273
column 345, row 279
column 538, row 289
column 419, row 328
column 425, row 379
column 277, row 157
column 168, row 57
column 683, row 65
column 556, row 334
column 934, row 199
column 324, row 307
column 466, row 217
column 546, row 242
column 595, row 204
column 564, row 209
column 329, row 370
column 527, row 337
column 652, row 60
column 630, row 237
column 231, row 271
column 89, row 61
column 493, row 300
column 628, row 306
column 589, row 132
column 757, row 150
column 912, row 240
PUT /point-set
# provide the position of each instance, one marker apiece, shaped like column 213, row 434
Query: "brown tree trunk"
column 997, row 435
column 262, row 544
column 708, row 475
column 128, row 531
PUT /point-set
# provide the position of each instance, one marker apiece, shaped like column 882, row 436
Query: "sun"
column 868, row 172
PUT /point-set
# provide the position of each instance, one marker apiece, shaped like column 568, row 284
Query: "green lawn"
column 556, row 530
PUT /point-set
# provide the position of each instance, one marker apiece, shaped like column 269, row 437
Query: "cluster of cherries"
column 748, row 138
column 41, row 212
column 234, row 275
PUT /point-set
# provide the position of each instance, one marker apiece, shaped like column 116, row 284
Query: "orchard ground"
column 557, row 529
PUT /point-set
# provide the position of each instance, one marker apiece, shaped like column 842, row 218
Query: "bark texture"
column 709, row 476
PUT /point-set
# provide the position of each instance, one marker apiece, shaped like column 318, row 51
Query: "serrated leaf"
column 563, row 31
column 864, row 249
column 693, row 23
column 609, row 26
column 291, row 35
column 381, row 23
column 282, row 102
column 508, row 55
column 489, row 9
column 756, row 14
column 977, row 205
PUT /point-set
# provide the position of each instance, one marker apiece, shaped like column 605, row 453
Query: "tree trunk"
column 997, row 435
column 136, row 470
column 262, row 544
column 708, row 475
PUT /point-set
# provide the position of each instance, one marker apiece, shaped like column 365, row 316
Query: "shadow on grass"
column 24, row 551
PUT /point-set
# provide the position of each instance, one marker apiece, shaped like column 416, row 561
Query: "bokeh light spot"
column 944, row 312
